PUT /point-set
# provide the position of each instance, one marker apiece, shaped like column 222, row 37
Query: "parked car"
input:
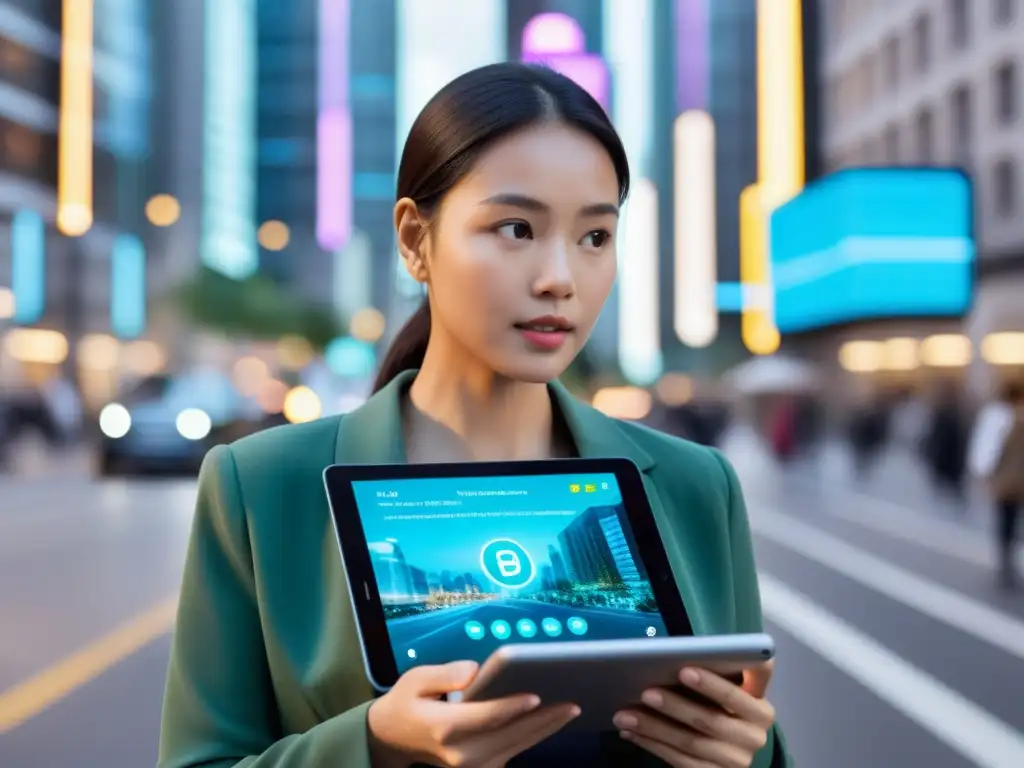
column 167, row 423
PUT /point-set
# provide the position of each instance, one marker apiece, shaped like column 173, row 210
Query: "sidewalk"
column 897, row 477
column 31, row 457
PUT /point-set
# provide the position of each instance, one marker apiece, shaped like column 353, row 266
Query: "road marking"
column 28, row 699
column 941, row 536
column 941, row 603
column 948, row 716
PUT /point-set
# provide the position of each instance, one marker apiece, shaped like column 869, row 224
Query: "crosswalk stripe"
column 948, row 716
column 940, row 603
column 904, row 523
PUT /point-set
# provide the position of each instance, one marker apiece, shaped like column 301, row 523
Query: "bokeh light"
column 368, row 324
column 163, row 210
column 294, row 352
column 302, row 404
column 274, row 235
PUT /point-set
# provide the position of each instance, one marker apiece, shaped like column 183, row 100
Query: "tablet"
column 450, row 562
column 603, row 676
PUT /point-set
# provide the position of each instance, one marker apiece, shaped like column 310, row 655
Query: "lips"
column 547, row 333
column 546, row 324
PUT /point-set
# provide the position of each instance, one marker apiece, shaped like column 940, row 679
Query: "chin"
column 535, row 369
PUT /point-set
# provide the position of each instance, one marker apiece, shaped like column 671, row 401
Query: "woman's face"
column 521, row 256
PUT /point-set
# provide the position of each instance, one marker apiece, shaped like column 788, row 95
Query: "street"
column 895, row 648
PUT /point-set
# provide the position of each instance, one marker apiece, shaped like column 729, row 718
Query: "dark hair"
column 456, row 127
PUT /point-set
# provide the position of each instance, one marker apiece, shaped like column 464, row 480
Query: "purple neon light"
column 334, row 178
column 553, row 33
column 557, row 41
column 692, row 42
column 334, row 129
column 587, row 70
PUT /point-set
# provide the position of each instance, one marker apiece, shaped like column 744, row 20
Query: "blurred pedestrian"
column 869, row 432
column 997, row 454
column 945, row 444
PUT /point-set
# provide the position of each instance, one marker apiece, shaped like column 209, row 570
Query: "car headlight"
column 193, row 424
column 115, row 421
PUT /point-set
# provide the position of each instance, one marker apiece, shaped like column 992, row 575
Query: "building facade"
column 63, row 283
column 937, row 82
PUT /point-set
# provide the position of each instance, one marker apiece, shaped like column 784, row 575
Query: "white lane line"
column 942, row 537
column 948, row 716
column 941, row 603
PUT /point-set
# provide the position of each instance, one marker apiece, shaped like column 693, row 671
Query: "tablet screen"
column 465, row 564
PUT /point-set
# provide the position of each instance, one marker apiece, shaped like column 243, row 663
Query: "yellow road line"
column 28, row 699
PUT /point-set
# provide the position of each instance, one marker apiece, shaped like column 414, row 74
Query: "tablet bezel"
column 378, row 655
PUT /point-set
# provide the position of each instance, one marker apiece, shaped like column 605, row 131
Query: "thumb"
column 756, row 679
column 441, row 679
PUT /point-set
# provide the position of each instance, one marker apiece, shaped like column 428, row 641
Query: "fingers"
column 437, row 680
column 732, row 698
column 756, row 679
column 671, row 756
column 517, row 737
column 714, row 723
column 456, row 721
column 683, row 740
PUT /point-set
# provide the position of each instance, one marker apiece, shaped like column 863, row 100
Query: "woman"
column 508, row 203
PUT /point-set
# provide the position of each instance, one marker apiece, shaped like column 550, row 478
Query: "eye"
column 515, row 230
column 596, row 239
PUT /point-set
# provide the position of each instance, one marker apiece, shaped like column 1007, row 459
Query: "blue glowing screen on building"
column 873, row 243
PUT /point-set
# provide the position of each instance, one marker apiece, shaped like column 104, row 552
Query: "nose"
column 555, row 279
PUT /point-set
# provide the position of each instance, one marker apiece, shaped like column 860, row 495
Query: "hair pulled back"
column 460, row 123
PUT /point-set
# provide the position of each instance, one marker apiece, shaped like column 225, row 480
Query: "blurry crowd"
column 957, row 445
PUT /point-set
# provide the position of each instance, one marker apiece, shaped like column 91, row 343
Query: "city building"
column 75, row 94
column 600, row 551
column 937, row 82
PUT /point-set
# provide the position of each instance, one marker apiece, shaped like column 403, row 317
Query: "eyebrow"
column 533, row 204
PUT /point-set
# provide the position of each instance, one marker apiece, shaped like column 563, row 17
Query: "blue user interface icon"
column 551, row 627
column 507, row 563
column 475, row 630
column 501, row 629
column 577, row 625
column 526, row 628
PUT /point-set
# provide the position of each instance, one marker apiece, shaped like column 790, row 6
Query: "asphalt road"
column 895, row 647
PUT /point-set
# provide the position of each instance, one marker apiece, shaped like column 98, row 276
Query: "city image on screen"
column 464, row 565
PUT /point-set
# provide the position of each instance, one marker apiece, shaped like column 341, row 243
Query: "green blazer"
column 266, row 669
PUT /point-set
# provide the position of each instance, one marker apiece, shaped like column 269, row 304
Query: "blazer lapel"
column 372, row 434
column 597, row 436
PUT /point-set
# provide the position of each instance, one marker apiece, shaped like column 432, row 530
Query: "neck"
column 465, row 411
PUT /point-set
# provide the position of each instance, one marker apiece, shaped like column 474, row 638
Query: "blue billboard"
column 874, row 243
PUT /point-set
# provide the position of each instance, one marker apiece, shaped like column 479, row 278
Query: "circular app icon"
column 577, row 625
column 501, row 629
column 507, row 563
column 551, row 627
column 475, row 630
column 526, row 628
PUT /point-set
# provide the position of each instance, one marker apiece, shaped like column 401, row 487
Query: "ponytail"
column 407, row 349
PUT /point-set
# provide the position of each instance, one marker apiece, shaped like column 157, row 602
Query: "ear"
column 412, row 239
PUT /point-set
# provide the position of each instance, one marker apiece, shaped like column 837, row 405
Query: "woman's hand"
column 411, row 724
column 689, row 735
